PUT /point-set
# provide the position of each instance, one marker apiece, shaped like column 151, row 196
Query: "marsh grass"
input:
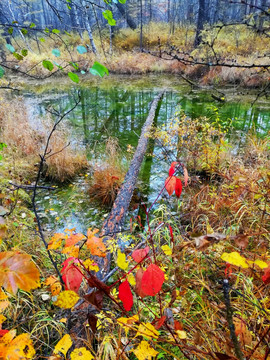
column 108, row 175
column 25, row 143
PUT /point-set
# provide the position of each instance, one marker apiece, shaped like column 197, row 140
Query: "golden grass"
column 24, row 144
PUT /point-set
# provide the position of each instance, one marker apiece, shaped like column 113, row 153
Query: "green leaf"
column 47, row 65
column 56, row 52
column 108, row 15
column 73, row 77
column 2, row 73
column 81, row 49
column 55, row 31
column 122, row 1
column 17, row 56
column 75, row 65
column 69, row 7
column 10, row 48
column 98, row 69
column 32, row 25
column 67, row 33
column 58, row 65
column 24, row 31
column 42, row 39
column 47, row 30
column 24, row 52
column 10, row 30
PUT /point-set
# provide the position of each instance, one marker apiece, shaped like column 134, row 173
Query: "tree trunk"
column 131, row 23
column 88, row 27
column 200, row 23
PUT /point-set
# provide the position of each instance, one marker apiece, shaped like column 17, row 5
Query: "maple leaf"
column 234, row 258
column 63, row 345
column 144, row 351
column 242, row 331
column 152, row 280
column 71, row 275
column 17, row 271
column 74, row 239
column 127, row 323
column 81, row 354
column 178, row 187
column 140, row 254
column 95, row 244
column 71, row 251
column 67, row 299
column 56, row 241
column 4, row 303
column 121, row 260
column 147, row 330
column 125, row 295
column 170, row 184
column 90, row 265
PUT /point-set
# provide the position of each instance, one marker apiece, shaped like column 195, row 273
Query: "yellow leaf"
column 17, row 271
column 131, row 279
column 20, row 348
column 3, row 301
column 167, row 250
column 67, row 299
column 121, row 260
column 63, row 345
column 181, row 334
column 147, row 330
column 55, row 285
column 234, row 258
column 126, row 323
column 81, row 354
column 144, row 351
column 91, row 265
column 2, row 318
column 261, row 264
column 56, row 241
column 71, row 251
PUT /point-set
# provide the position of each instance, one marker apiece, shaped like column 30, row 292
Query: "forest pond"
column 117, row 107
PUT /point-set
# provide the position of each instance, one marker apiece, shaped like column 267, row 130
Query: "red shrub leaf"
column 171, row 233
column 138, row 288
column 266, row 276
column 170, row 184
column 139, row 254
column 178, row 187
column 125, row 295
column 152, row 280
column 160, row 322
column 71, row 276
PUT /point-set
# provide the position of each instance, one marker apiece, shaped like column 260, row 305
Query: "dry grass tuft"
column 25, row 143
column 108, row 177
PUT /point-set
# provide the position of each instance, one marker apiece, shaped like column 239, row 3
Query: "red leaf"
column 171, row 233
column 138, row 288
column 266, row 276
column 172, row 168
column 139, row 254
column 71, row 276
column 152, row 280
column 178, row 325
column 178, row 187
column 3, row 332
column 170, row 184
column 160, row 322
column 125, row 295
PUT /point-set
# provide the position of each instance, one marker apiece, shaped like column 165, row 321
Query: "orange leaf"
column 170, row 184
column 96, row 246
column 56, row 241
column 74, row 239
column 18, row 271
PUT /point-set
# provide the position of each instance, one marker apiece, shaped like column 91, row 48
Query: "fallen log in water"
column 116, row 218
